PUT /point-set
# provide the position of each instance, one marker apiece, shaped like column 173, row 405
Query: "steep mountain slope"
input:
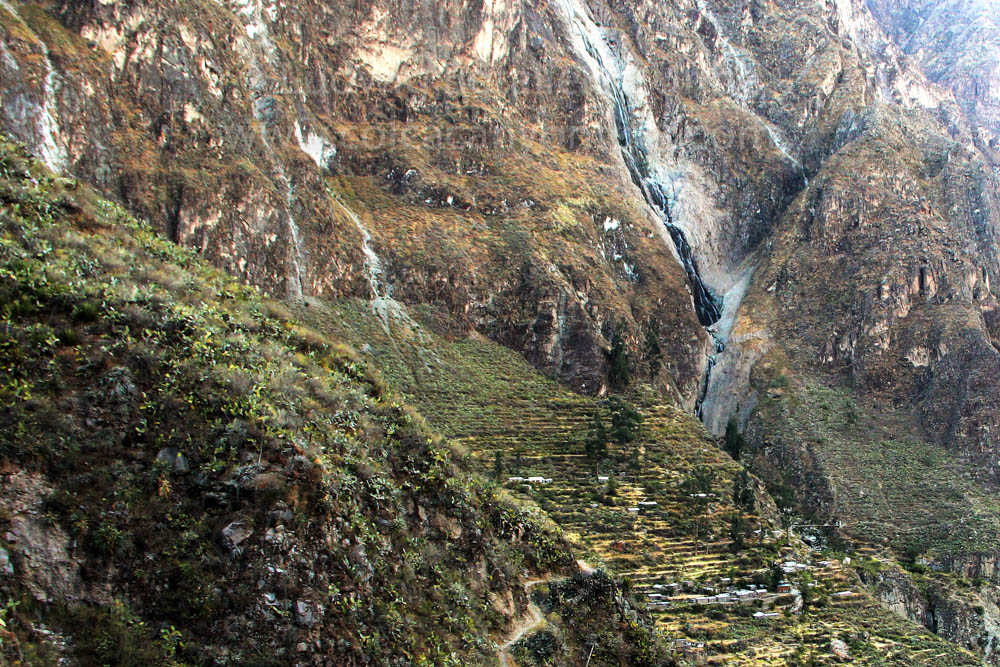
column 674, row 546
column 179, row 454
column 955, row 44
column 784, row 213
column 190, row 478
column 212, row 119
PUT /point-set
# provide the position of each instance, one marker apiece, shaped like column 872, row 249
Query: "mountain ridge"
column 756, row 209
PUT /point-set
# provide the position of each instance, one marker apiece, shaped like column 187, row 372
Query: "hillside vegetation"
column 195, row 474
column 189, row 476
column 518, row 425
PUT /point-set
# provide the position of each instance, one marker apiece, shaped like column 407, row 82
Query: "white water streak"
column 293, row 228
column 388, row 310
column 295, row 287
column 52, row 153
column 373, row 263
column 258, row 30
column 744, row 82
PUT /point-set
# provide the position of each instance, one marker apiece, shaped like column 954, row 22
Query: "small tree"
column 702, row 526
column 596, row 442
column 737, row 531
column 619, row 363
column 743, row 492
column 774, row 576
column 625, row 421
column 807, row 591
column 699, row 481
column 498, row 465
column 633, row 459
column 697, row 486
column 734, row 442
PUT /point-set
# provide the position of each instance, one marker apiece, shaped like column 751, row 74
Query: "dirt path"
column 532, row 619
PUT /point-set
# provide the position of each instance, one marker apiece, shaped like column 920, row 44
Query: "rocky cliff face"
column 967, row 614
column 785, row 197
column 955, row 44
column 485, row 170
column 245, row 129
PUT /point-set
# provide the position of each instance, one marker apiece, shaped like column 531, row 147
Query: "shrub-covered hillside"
column 188, row 476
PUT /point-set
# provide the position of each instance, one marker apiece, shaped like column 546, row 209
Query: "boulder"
column 235, row 534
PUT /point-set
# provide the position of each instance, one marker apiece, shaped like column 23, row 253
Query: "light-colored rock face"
column 34, row 115
column 957, row 43
column 39, row 551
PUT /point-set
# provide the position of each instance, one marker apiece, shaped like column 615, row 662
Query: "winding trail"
column 533, row 618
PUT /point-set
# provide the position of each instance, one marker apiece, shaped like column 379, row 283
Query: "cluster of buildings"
column 530, row 480
column 663, row 595
column 725, row 593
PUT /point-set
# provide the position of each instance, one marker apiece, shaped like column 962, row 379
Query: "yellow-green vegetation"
column 240, row 487
column 884, row 482
column 519, row 424
column 213, row 482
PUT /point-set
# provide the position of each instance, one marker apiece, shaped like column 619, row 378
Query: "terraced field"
column 634, row 513
column 888, row 484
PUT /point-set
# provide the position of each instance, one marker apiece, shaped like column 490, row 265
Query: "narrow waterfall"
column 295, row 283
column 706, row 304
column 52, row 153
column 388, row 310
column 636, row 139
column 591, row 46
column 373, row 263
column 293, row 230
column 256, row 17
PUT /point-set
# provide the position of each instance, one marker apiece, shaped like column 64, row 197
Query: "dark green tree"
column 734, row 442
column 625, row 421
column 737, row 531
column 743, row 492
column 596, row 442
column 775, row 575
column 633, row 459
column 498, row 465
column 697, row 486
column 699, row 481
column 619, row 363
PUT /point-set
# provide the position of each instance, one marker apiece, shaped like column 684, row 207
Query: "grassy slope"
column 120, row 345
column 901, row 498
column 490, row 400
column 313, row 512
column 890, row 486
